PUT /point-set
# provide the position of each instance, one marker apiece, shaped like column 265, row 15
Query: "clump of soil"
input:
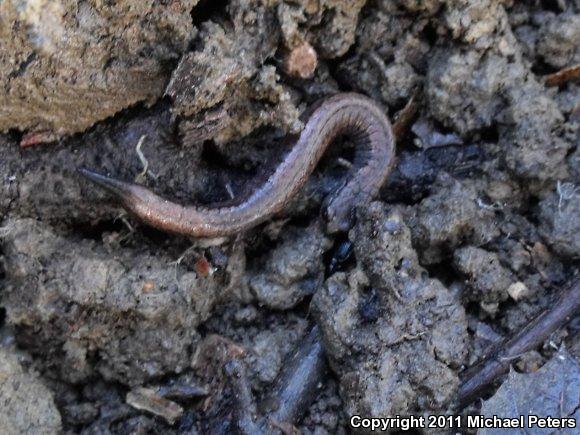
column 475, row 232
column 387, row 325
column 27, row 404
column 86, row 300
column 65, row 66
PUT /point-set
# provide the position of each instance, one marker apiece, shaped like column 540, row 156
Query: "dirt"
column 474, row 233
column 27, row 404
column 67, row 65
column 388, row 326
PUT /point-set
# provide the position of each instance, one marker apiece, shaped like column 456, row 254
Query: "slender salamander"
column 351, row 114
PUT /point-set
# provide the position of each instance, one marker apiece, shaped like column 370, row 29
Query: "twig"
column 477, row 379
column 405, row 116
column 376, row 60
column 143, row 160
column 344, row 163
column 245, row 413
column 295, row 387
column 230, row 191
column 291, row 394
column 37, row 137
column 407, row 113
column 563, row 76
column 146, row 399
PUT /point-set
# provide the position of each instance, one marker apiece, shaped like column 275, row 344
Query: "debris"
column 552, row 391
column 36, row 138
column 182, row 391
column 566, row 191
column 290, row 395
column 429, row 137
column 203, row 267
column 518, row 290
column 148, row 286
column 563, row 76
column 148, row 400
column 405, row 116
column 298, row 383
column 208, row 360
column 480, row 377
column 141, row 176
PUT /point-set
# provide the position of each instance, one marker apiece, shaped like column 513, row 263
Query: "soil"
column 475, row 232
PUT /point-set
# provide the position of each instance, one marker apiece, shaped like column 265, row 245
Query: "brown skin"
column 347, row 113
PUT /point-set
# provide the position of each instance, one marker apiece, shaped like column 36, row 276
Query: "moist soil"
column 476, row 231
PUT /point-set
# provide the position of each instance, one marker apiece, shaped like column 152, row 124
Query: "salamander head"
column 133, row 197
column 119, row 189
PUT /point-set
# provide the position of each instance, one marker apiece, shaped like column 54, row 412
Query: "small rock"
column 246, row 315
column 429, row 137
column 301, row 61
column 518, row 290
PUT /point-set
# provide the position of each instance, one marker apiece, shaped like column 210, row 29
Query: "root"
column 566, row 191
column 143, row 174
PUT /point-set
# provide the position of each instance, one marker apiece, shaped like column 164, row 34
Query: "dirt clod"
column 560, row 225
column 404, row 344
column 64, row 67
column 295, row 271
column 489, row 281
column 88, row 301
column 451, row 215
column 27, row 404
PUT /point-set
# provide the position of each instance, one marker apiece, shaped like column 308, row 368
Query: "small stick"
column 292, row 392
column 245, row 415
column 37, row 137
column 143, row 160
column 405, row 116
column 563, row 76
column 497, row 363
column 295, row 387
column 379, row 63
